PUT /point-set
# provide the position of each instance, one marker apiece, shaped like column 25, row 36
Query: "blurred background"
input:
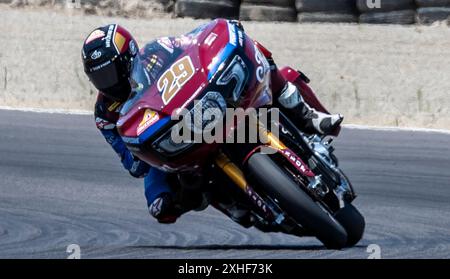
column 364, row 11
column 380, row 62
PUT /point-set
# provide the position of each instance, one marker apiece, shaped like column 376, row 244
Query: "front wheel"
column 295, row 202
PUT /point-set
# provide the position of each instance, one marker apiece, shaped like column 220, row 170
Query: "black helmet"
column 107, row 55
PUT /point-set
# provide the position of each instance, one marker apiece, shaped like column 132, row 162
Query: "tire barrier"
column 433, row 14
column 336, row 6
column 430, row 11
column 276, row 3
column 306, row 11
column 433, row 3
column 387, row 11
column 207, row 8
column 268, row 10
column 327, row 17
column 394, row 17
column 326, row 11
column 267, row 13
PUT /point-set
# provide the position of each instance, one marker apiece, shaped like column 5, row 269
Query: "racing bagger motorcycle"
column 296, row 189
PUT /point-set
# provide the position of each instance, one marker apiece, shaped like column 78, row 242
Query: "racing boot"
column 309, row 120
column 164, row 210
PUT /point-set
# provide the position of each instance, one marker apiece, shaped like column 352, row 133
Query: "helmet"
column 107, row 55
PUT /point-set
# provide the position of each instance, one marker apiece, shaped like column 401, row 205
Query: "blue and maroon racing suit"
column 157, row 55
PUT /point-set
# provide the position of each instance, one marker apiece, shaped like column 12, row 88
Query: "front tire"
column 295, row 202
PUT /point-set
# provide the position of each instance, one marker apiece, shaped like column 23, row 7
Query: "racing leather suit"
column 107, row 113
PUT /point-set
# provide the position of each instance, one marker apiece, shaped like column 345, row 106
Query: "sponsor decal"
column 103, row 124
column 119, row 41
column 152, row 61
column 95, row 35
column 155, row 207
column 114, row 106
column 149, row 118
column 177, row 42
column 257, row 199
column 263, row 67
column 166, row 44
column 131, row 141
column 210, row 39
column 232, row 34
column 241, row 38
column 294, row 159
column 109, row 35
column 101, row 66
column 110, row 139
column 96, row 54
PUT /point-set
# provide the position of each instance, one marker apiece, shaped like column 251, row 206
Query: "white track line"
column 348, row 126
column 395, row 129
column 57, row 111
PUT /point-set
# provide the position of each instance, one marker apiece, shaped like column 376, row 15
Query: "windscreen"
column 148, row 66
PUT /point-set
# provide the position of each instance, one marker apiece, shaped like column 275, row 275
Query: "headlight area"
column 188, row 132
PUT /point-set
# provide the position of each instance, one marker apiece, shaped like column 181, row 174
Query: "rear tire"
column 353, row 222
column 295, row 202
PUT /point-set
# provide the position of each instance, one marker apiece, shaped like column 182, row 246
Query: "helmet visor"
column 105, row 76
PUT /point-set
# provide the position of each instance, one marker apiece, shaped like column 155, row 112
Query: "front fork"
column 274, row 218
column 236, row 175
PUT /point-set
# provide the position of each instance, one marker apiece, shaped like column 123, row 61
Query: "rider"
column 108, row 54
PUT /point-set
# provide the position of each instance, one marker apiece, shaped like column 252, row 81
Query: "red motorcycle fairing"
column 206, row 61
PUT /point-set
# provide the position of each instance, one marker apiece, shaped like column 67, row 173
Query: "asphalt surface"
column 61, row 184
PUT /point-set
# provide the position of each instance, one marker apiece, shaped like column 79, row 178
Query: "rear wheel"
column 295, row 202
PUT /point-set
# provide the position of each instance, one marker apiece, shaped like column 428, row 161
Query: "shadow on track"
column 240, row 247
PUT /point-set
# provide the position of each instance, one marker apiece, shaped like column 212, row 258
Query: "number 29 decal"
column 172, row 80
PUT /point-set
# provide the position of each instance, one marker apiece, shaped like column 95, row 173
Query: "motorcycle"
column 297, row 188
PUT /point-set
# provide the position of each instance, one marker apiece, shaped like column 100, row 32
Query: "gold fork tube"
column 232, row 171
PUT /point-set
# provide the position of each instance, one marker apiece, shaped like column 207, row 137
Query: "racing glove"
column 139, row 168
